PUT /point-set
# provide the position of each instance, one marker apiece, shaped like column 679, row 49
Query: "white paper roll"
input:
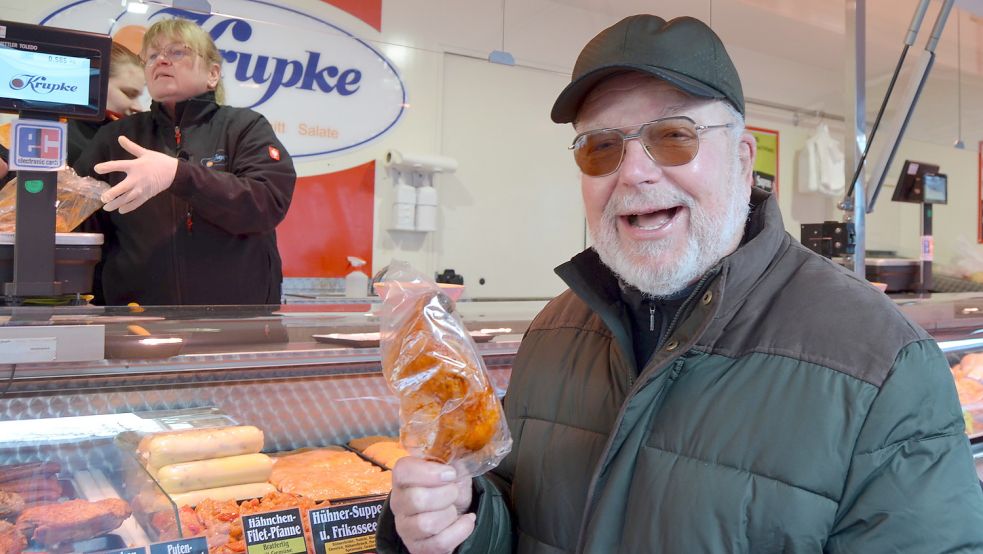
column 426, row 163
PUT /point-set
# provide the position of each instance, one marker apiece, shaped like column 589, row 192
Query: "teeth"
column 651, row 221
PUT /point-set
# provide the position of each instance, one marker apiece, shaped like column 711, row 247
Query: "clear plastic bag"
column 449, row 411
column 967, row 261
column 78, row 198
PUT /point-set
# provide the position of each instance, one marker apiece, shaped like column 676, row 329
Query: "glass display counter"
column 308, row 376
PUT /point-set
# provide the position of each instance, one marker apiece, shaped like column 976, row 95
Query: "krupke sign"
column 324, row 90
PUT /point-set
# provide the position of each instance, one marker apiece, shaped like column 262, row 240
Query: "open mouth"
column 651, row 221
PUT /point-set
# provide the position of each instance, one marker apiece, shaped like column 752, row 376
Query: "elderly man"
column 706, row 384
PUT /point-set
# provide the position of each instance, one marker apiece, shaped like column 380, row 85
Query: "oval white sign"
column 324, row 90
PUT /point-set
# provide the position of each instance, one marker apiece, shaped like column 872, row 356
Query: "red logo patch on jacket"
column 274, row 153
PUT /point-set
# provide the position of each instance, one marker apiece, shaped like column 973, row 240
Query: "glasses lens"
column 671, row 141
column 598, row 153
column 176, row 53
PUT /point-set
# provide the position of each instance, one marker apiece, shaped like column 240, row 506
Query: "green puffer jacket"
column 792, row 408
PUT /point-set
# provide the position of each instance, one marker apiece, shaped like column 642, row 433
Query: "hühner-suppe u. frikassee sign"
column 324, row 90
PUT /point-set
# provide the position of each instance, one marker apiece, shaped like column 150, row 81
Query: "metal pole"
column 856, row 139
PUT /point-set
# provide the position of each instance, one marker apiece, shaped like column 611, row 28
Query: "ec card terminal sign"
column 37, row 145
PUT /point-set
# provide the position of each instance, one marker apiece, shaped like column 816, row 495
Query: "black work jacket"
column 210, row 237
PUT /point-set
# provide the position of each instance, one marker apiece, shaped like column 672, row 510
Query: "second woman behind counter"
column 126, row 84
column 198, row 187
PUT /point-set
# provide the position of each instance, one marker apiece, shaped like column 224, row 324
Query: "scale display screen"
column 46, row 71
column 44, row 77
column 936, row 186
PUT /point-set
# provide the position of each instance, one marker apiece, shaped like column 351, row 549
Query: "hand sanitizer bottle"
column 356, row 282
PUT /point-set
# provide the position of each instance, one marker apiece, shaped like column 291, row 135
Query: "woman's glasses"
column 668, row 141
column 175, row 53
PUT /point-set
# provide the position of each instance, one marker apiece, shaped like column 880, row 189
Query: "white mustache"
column 646, row 200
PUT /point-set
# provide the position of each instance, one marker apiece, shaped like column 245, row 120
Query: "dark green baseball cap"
column 683, row 51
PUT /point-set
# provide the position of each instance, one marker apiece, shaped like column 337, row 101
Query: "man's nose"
column 637, row 165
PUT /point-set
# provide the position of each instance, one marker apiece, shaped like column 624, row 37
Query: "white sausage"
column 200, row 444
column 216, row 472
column 232, row 492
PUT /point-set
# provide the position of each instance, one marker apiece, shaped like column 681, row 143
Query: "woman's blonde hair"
column 120, row 56
column 188, row 32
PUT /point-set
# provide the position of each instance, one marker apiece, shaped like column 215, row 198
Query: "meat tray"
column 91, row 486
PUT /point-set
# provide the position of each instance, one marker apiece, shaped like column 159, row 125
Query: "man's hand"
column 146, row 176
column 428, row 502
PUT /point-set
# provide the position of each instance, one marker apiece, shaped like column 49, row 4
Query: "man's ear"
column 747, row 151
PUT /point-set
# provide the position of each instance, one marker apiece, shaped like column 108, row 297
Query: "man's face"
column 125, row 89
column 662, row 227
column 176, row 73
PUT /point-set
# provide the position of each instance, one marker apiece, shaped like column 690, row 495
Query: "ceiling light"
column 137, row 7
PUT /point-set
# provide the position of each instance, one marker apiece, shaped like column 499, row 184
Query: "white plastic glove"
column 150, row 174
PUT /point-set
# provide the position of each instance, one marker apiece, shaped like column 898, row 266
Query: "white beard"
column 711, row 237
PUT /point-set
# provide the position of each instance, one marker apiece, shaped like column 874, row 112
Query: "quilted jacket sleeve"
column 912, row 486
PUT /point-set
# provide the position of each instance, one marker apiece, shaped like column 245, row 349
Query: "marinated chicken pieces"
column 445, row 396
column 75, row 520
column 12, row 541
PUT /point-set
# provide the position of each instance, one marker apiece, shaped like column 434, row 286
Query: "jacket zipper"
column 674, row 373
column 677, row 367
column 174, row 204
column 675, row 318
column 188, row 219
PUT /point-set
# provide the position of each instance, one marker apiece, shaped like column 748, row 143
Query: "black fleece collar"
column 188, row 112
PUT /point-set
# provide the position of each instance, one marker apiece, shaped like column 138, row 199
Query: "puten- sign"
column 297, row 68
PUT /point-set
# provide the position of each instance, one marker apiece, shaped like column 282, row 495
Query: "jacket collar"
column 188, row 112
column 764, row 236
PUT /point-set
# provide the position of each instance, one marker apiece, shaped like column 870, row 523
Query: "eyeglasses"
column 175, row 53
column 668, row 141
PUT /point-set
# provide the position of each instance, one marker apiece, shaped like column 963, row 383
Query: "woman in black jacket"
column 198, row 187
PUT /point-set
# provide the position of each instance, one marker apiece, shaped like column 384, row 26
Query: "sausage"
column 216, row 472
column 23, row 486
column 31, row 470
column 231, row 492
column 164, row 449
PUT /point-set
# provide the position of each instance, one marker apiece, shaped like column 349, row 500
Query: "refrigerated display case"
column 308, row 375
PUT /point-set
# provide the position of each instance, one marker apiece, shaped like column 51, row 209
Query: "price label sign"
column 280, row 532
column 346, row 529
column 196, row 545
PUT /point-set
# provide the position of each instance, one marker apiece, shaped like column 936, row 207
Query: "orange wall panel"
column 330, row 218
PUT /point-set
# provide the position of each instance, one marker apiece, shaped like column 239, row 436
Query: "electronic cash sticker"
column 37, row 145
